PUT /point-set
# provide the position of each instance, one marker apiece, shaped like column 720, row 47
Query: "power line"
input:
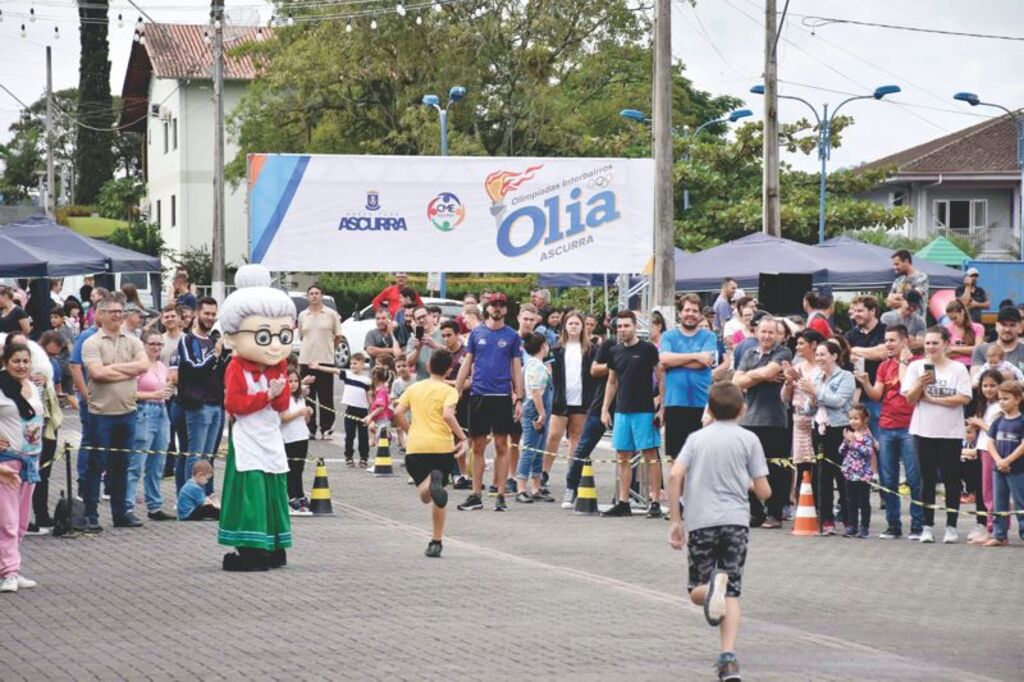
column 818, row 22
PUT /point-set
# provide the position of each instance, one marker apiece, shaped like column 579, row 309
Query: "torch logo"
column 500, row 183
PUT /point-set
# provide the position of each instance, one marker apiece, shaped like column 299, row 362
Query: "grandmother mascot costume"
column 257, row 321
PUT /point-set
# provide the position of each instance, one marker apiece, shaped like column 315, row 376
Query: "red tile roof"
column 180, row 51
column 988, row 147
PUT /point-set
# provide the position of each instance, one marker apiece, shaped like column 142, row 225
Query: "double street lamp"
column 640, row 117
column 1018, row 120
column 825, row 122
column 454, row 96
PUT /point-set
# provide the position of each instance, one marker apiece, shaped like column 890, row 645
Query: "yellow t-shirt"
column 428, row 432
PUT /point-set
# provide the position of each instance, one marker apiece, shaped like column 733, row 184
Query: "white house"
column 167, row 95
column 967, row 183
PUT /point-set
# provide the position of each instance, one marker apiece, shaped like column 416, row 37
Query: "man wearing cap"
column 393, row 295
column 1008, row 337
column 132, row 320
column 906, row 310
column 495, row 396
column 974, row 298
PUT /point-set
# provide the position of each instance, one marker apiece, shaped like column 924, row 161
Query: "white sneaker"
column 927, row 535
column 9, row 584
column 24, row 583
column 976, row 533
column 951, row 536
column 569, row 499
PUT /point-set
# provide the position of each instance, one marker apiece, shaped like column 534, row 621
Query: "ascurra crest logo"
column 372, row 220
column 552, row 223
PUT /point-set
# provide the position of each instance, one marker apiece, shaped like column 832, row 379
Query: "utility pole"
column 663, row 292
column 771, row 220
column 217, row 18
column 51, row 186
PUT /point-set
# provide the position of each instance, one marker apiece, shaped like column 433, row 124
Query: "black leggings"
column 858, row 499
column 827, row 474
column 354, row 426
column 322, row 388
column 934, row 454
column 296, row 453
column 41, row 494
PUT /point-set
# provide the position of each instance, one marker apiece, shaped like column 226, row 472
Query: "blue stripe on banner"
column 274, row 168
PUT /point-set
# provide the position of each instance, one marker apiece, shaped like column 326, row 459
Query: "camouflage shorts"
column 722, row 547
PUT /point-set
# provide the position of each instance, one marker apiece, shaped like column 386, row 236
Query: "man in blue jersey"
column 495, row 395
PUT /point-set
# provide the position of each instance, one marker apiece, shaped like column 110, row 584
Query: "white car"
column 354, row 328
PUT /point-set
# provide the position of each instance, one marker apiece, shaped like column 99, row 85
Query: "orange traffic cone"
column 806, row 521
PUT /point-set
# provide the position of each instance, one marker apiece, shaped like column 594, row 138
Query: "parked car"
column 362, row 321
column 342, row 352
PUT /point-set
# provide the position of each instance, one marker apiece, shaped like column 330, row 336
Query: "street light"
column 825, row 122
column 640, row 117
column 454, row 95
column 974, row 101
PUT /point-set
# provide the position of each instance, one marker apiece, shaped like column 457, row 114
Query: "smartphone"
column 419, row 333
column 928, row 367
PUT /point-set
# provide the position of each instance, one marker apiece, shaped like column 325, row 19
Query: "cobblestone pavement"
column 536, row 592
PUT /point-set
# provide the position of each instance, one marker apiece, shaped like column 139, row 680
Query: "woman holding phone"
column 938, row 387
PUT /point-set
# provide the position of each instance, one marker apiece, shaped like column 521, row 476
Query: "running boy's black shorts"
column 491, row 414
column 419, row 466
column 722, row 547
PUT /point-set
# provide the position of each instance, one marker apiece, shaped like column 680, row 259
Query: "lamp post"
column 1018, row 120
column 824, row 122
column 640, row 117
column 454, row 95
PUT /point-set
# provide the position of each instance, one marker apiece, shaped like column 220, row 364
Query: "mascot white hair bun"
column 258, row 322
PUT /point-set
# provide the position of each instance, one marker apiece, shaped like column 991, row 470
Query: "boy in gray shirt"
column 720, row 463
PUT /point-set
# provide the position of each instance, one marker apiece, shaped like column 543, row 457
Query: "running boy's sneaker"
column 437, row 492
column 569, row 499
column 472, row 503
column 728, row 668
column 620, row 509
column 434, row 549
column 714, row 600
column 952, row 535
column 927, row 535
column 499, row 504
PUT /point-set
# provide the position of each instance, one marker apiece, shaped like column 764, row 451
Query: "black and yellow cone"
column 320, row 496
column 382, row 461
column 586, row 493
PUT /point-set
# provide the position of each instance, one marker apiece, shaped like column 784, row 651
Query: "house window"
column 899, row 197
column 159, row 222
column 961, row 214
column 174, row 210
column 174, row 133
column 165, row 137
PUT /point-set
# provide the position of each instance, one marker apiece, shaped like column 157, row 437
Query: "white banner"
column 463, row 214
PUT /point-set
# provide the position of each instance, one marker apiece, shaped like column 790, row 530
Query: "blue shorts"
column 635, row 431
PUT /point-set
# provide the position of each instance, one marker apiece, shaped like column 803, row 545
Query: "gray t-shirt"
column 915, row 324
column 423, row 359
column 1014, row 357
column 764, row 401
column 722, row 460
column 375, row 338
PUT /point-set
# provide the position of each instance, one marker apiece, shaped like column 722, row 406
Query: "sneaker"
column 363, row 463
column 129, row 520
column 9, row 584
column 976, row 533
column 93, row 528
column 434, row 549
column 492, row 489
column 327, row 435
column 850, row 532
column 771, row 522
column 472, row 503
column 569, row 499
column 980, row 539
column 996, row 542
column 951, row 536
column 159, row 515
column 619, row 509
column 525, row 498
column 33, row 529
column 462, row 483
column 828, row 528
column 105, row 497
column 510, row 486
column 544, row 478
column 349, row 462
column 863, row 534
column 543, row 495
column 891, row 533
column 728, row 668
column 437, row 492
column 915, row 536
column 499, row 504
column 24, row 583
column 297, row 508
column 654, row 511
column 714, row 600
column 927, row 535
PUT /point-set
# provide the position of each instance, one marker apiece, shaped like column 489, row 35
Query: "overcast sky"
column 720, row 41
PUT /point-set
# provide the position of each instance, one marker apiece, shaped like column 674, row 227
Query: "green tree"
column 22, row 161
column 119, row 198
column 94, row 157
column 140, row 236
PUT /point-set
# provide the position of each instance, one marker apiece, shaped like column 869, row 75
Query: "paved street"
column 536, row 592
